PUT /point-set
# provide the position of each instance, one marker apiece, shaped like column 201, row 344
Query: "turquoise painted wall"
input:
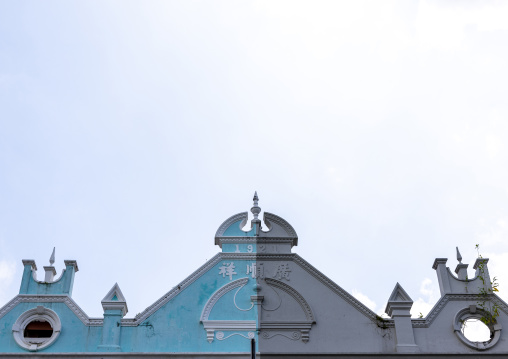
column 175, row 327
column 74, row 336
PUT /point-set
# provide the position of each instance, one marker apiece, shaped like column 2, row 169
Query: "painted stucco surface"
column 257, row 289
column 176, row 326
column 74, row 337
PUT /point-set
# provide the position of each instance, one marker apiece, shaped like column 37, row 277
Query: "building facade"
column 256, row 297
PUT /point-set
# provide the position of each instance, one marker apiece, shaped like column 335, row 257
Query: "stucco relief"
column 284, row 312
column 234, row 327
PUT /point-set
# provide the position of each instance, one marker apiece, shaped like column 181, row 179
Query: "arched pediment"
column 240, row 327
column 291, row 317
column 219, row 294
column 295, row 295
column 235, row 224
column 275, row 228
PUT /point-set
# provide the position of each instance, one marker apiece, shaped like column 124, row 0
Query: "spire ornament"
column 459, row 257
column 50, row 271
column 256, row 222
column 255, row 208
column 461, row 268
column 52, row 258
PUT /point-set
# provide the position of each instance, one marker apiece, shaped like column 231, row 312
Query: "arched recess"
column 233, row 326
column 294, row 330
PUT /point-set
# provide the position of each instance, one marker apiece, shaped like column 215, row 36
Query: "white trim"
column 441, row 303
column 174, row 292
column 120, row 304
column 472, row 312
column 242, row 216
column 230, row 324
column 212, row 325
column 71, row 304
column 334, row 287
column 39, row 313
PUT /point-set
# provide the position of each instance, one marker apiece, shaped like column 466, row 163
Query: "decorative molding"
column 468, row 280
column 119, row 304
column 298, row 329
column 252, row 301
column 438, row 307
column 212, row 325
column 268, row 218
column 72, row 263
column 258, row 256
column 31, row 298
column 230, row 325
column 418, row 323
column 472, row 312
column 264, row 239
column 399, row 295
column 293, row 293
column 242, row 216
column 34, row 277
column 281, row 328
column 251, row 256
column 198, row 273
column 29, row 262
column 275, row 257
column 218, row 294
column 220, row 335
column 39, row 313
column 295, row 335
column 115, row 290
column 175, row 291
column 399, row 303
column 338, row 290
column 193, row 277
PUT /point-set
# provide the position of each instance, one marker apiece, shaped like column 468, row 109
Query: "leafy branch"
column 490, row 309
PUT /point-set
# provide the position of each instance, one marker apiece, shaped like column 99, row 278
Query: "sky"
column 130, row 130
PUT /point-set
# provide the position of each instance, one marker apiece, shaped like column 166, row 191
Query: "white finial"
column 459, row 257
column 52, row 258
column 255, row 209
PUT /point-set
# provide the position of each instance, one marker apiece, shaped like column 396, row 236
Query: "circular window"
column 476, row 331
column 473, row 332
column 36, row 328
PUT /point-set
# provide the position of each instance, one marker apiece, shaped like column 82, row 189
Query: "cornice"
column 441, row 303
column 270, row 217
column 35, row 298
column 264, row 239
column 338, row 290
column 175, row 291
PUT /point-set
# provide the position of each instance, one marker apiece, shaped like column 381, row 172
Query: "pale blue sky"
column 129, row 130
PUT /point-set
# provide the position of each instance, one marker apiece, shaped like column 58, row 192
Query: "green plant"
column 488, row 307
column 381, row 322
column 420, row 315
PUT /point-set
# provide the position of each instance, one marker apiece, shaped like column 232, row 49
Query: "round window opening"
column 471, row 330
column 36, row 328
column 476, row 331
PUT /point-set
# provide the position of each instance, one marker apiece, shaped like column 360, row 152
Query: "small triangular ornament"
column 114, row 295
column 115, row 300
column 399, row 295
